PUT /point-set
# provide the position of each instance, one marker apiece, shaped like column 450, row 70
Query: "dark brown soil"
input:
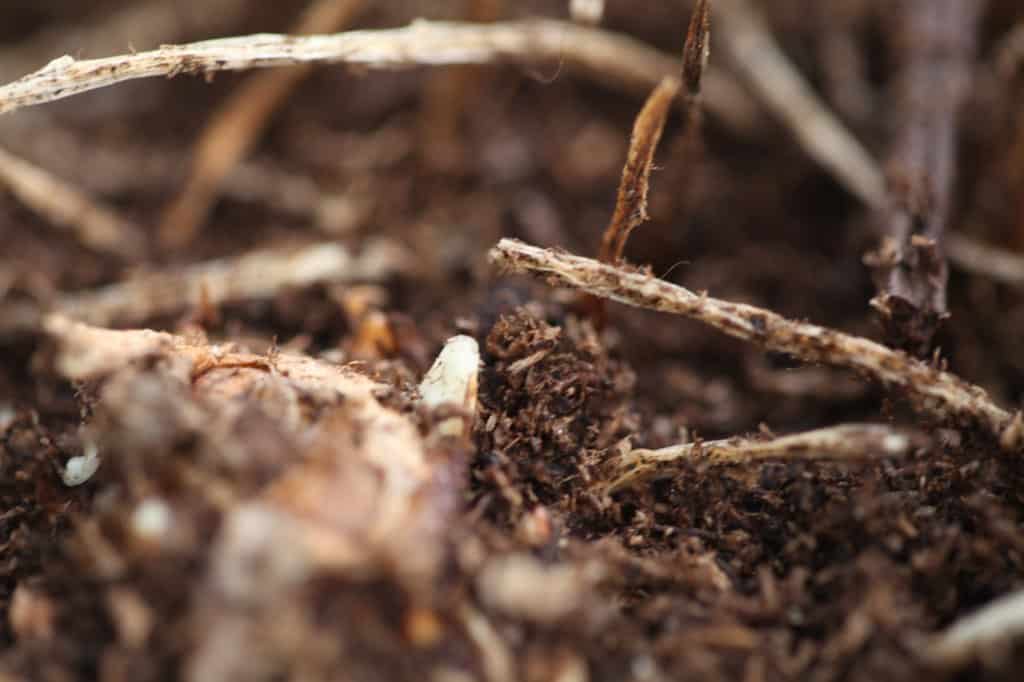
column 770, row 571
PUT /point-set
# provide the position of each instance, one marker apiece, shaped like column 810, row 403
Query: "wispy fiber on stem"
column 1000, row 621
column 258, row 274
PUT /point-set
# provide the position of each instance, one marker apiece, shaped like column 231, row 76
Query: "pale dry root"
column 143, row 25
column 616, row 60
column 775, row 81
column 368, row 487
column 96, row 226
column 845, row 442
column 973, row 636
column 933, row 393
column 257, row 275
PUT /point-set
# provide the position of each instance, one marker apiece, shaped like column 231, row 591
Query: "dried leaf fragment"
column 256, row 275
column 602, row 55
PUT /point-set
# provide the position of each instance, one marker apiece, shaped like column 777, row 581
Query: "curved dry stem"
column 931, row 392
column 999, row 621
column 239, row 121
column 631, row 203
column 97, row 226
column 610, row 58
column 256, row 275
column 777, row 82
column 842, row 442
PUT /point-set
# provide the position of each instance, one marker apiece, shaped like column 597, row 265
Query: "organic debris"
column 324, row 438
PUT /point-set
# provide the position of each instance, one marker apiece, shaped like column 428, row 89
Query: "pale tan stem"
column 842, row 442
column 774, row 79
column 932, row 392
column 617, row 60
column 97, row 226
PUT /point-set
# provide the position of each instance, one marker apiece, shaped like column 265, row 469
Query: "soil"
column 757, row 572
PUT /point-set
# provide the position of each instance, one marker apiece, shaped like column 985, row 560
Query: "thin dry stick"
column 934, row 393
column 935, row 43
column 607, row 57
column 697, row 48
column 141, row 25
column 845, row 441
column 972, row 256
column 255, row 275
column 445, row 96
column 98, row 227
column 998, row 622
column 238, row 123
column 102, row 169
column 631, row 203
column 773, row 78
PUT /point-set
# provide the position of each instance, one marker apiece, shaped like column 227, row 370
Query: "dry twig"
column 775, row 80
column 631, row 200
column 117, row 170
column 997, row 623
column 935, row 41
column 932, row 392
column 98, row 227
column 697, row 48
column 255, row 275
column 972, row 256
column 843, row 442
column 238, row 123
column 138, row 24
column 616, row 60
